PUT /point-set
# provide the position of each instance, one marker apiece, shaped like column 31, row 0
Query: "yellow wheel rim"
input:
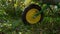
column 30, row 14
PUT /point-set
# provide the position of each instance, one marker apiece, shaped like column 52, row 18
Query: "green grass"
column 11, row 22
column 49, row 25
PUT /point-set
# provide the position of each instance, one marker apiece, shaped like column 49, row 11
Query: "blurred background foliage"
column 11, row 23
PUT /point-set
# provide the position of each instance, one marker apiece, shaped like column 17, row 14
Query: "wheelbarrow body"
column 49, row 2
column 52, row 2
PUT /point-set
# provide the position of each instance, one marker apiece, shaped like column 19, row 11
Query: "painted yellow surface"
column 27, row 2
column 15, row 5
column 10, row 0
column 30, row 14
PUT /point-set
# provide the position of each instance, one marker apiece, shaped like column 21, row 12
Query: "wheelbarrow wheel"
column 29, row 12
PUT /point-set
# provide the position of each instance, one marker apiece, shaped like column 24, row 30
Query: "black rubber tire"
column 27, row 9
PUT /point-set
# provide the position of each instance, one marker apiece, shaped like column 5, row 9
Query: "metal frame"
column 42, row 10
